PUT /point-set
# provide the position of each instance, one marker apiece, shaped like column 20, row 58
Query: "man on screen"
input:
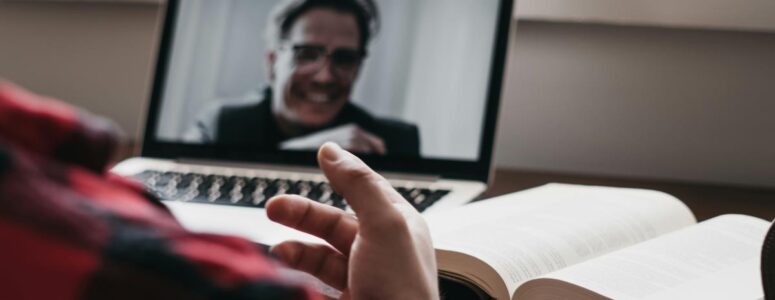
column 317, row 49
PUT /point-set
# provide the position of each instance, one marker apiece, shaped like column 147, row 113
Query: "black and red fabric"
column 72, row 230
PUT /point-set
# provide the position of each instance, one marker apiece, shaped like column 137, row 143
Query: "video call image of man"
column 317, row 49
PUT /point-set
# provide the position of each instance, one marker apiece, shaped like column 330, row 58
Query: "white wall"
column 97, row 56
column 449, row 75
column 751, row 15
column 641, row 102
column 220, row 55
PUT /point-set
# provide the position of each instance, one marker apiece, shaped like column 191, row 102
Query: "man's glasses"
column 310, row 59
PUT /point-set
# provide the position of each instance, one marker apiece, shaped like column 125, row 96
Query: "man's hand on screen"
column 350, row 137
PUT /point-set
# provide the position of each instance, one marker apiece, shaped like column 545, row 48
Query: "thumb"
column 369, row 194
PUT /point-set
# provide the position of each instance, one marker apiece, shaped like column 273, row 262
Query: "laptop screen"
column 391, row 80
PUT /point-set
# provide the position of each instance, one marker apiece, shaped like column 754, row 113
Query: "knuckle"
column 359, row 174
column 328, row 231
column 394, row 224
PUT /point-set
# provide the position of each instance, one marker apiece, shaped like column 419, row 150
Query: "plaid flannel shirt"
column 69, row 229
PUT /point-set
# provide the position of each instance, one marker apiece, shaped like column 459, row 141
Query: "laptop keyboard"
column 256, row 191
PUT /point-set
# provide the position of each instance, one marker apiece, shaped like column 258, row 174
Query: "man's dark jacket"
column 253, row 125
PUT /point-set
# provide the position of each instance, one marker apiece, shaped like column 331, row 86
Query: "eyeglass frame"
column 329, row 55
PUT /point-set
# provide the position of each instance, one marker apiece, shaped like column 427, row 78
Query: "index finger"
column 369, row 194
column 324, row 221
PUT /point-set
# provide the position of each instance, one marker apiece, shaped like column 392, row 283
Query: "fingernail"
column 332, row 152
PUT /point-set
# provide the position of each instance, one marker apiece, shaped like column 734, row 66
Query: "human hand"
column 384, row 253
column 350, row 137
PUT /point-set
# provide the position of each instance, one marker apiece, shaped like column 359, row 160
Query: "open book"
column 563, row 241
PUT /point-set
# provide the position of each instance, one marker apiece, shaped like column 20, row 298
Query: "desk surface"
column 705, row 200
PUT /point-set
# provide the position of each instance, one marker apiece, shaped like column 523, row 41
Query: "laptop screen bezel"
column 478, row 170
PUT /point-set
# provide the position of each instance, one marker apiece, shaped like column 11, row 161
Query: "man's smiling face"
column 310, row 92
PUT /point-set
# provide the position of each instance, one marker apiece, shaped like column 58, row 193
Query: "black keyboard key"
column 257, row 198
column 185, row 181
column 314, row 194
column 438, row 194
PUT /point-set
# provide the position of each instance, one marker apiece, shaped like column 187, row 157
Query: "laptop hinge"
column 300, row 169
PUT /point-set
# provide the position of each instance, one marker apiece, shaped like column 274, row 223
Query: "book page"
column 531, row 233
column 716, row 259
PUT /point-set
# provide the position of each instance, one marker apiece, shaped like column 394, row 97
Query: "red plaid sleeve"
column 70, row 230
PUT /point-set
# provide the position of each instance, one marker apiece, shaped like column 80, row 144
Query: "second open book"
column 583, row 242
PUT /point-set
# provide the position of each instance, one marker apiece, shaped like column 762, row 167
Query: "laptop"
column 245, row 92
